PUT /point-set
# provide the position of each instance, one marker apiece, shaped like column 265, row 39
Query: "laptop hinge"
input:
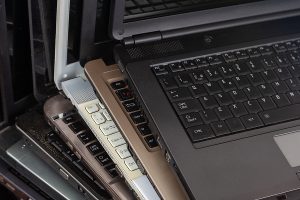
column 143, row 38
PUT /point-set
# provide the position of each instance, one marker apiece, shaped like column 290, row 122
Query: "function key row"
column 291, row 47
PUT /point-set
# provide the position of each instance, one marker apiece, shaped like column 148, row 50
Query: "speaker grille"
column 158, row 49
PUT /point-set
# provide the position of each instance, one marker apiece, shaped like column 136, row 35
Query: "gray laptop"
column 219, row 84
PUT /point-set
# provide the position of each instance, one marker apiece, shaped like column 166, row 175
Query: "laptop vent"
column 159, row 49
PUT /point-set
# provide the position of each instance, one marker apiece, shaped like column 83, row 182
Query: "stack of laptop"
column 201, row 99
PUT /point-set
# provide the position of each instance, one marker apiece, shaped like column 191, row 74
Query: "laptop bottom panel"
column 246, row 165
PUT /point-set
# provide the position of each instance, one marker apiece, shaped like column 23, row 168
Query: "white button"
column 123, row 151
column 108, row 128
column 92, row 108
column 98, row 118
column 116, row 139
column 106, row 115
column 130, row 163
column 101, row 105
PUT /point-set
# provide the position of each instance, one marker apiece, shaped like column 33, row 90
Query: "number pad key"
column 116, row 139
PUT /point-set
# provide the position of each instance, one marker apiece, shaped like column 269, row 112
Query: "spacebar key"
column 281, row 114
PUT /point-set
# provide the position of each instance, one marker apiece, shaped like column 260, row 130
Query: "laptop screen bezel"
column 224, row 16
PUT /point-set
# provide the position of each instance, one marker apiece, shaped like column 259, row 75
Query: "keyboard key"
column 255, row 79
column 189, row 64
column 69, row 119
column 198, row 90
column 269, row 63
column 208, row 102
column 123, row 151
column 220, row 128
column 283, row 73
column 252, row 92
column 179, row 94
column 213, row 74
column 265, row 50
column 215, row 59
column 131, row 105
column 144, row 129
column 279, row 48
column 294, row 57
column 200, row 133
column 282, row 61
column 191, row 119
column 238, row 109
column 252, row 106
column 266, row 90
column 138, row 117
column 235, row 125
column 108, row 128
column 293, row 84
column 118, row 85
column 223, row 113
column 88, row 174
column 131, row 164
column 241, row 69
column 238, row 95
column 168, row 82
column 266, row 103
column 227, row 84
column 295, row 70
column 95, row 148
column 229, row 57
column 116, row 139
column 111, row 169
column 104, row 159
column 269, row 76
column 176, row 67
column 251, row 121
column 227, row 71
column 281, row 100
column 187, row 106
column 124, row 94
column 77, row 127
column 255, row 66
column 198, row 77
column 201, row 62
column 98, row 118
column 183, row 80
column 86, row 137
column 223, row 99
column 151, row 141
column 92, row 108
column 159, row 70
column 291, row 45
column 281, row 114
column 213, row 87
column 242, row 54
column 280, row 87
column 254, row 52
column 294, row 97
column 241, row 81
column 208, row 116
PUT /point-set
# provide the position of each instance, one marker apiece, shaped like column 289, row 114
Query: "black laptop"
column 219, row 82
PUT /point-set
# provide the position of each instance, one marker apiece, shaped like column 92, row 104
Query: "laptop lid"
column 201, row 16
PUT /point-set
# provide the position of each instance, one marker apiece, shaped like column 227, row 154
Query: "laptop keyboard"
column 220, row 95
column 68, row 154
